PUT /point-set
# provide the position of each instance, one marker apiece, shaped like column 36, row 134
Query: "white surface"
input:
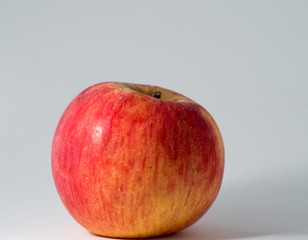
column 244, row 61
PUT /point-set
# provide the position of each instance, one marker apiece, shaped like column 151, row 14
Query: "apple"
column 136, row 161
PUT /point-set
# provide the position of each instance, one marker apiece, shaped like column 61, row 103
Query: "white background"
column 246, row 62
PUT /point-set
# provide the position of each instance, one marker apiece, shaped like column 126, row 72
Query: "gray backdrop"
column 246, row 62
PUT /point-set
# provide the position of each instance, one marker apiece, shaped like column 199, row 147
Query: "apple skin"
column 129, row 165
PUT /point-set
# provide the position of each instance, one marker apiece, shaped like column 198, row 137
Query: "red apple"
column 134, row 161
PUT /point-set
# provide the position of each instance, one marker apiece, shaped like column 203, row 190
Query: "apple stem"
column 156, row 94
